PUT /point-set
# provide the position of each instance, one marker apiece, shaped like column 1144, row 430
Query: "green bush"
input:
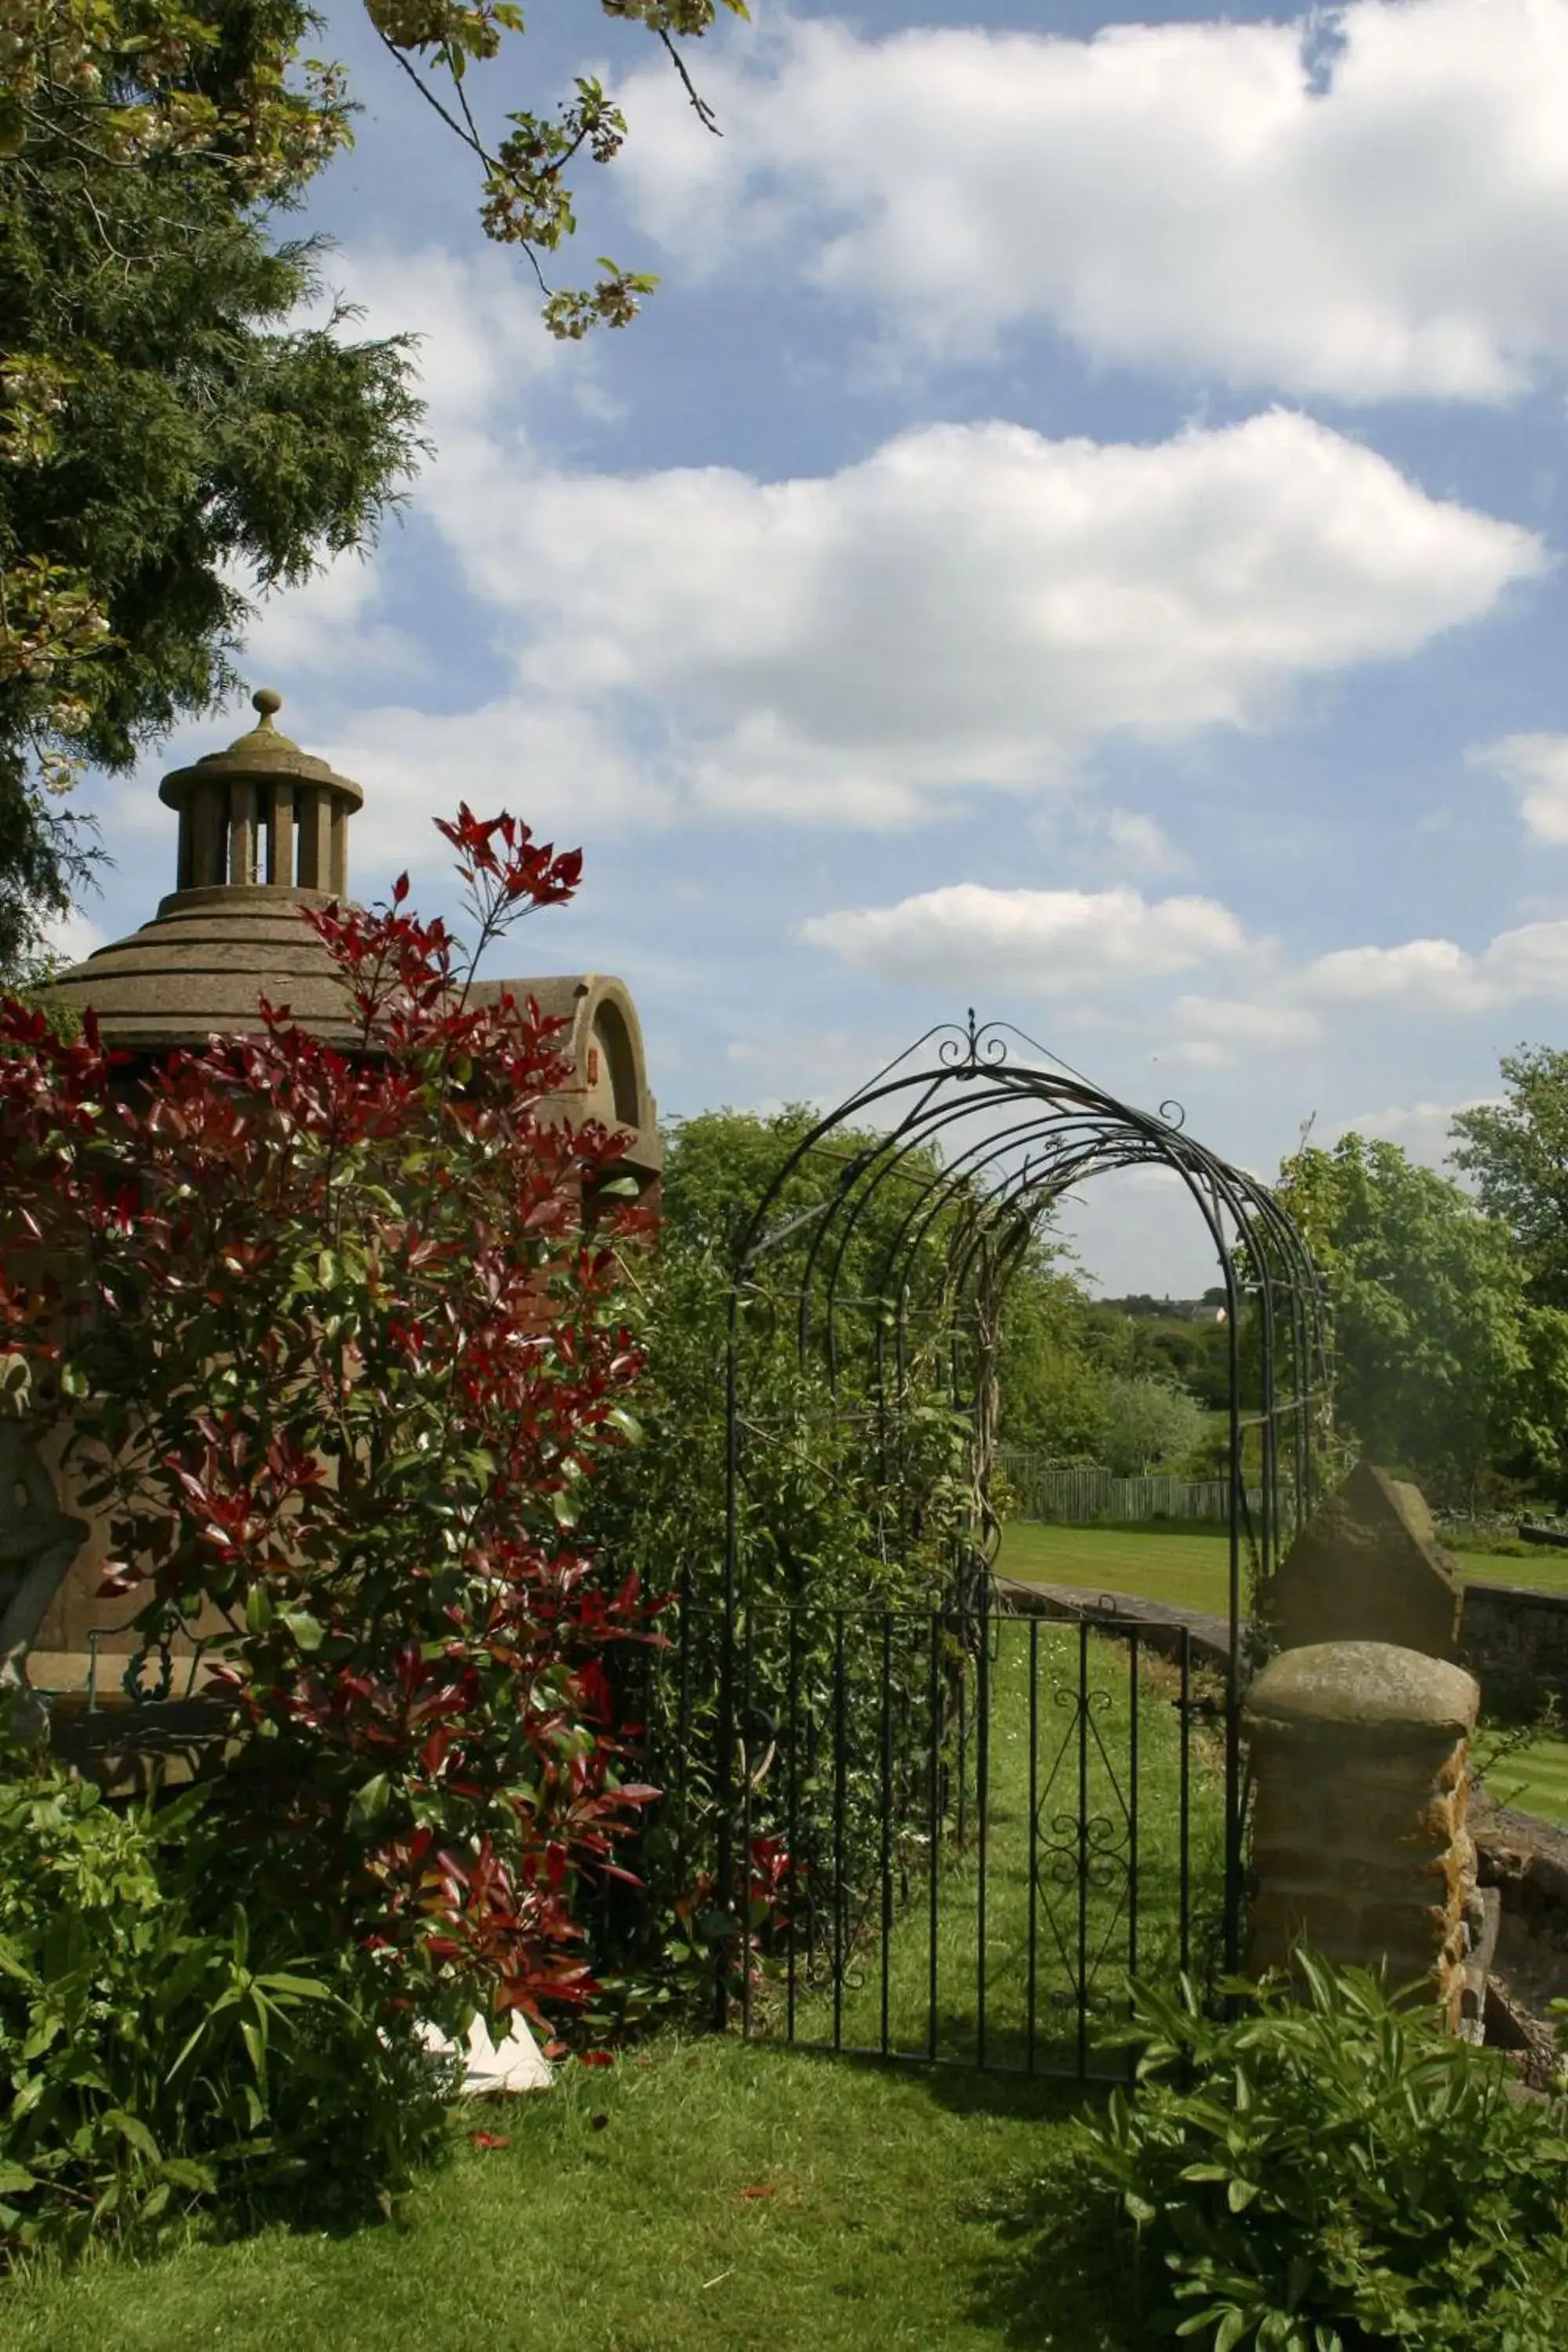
column 155, row 2059
column 1316, row 2175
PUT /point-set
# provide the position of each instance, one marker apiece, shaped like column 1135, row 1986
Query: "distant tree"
column 1150, row 1424
column 1053, row 1385
column 1441, row 1368
column 1517, row 1151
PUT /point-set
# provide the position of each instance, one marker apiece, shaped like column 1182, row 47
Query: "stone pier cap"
column 1362, row 1687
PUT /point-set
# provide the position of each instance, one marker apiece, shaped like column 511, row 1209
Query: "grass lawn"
column 885, row 2210
column 1536, row 1779
column 1190, row 1570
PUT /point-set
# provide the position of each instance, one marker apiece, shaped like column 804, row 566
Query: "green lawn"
column 703, row 2197
column 1191, row 1570
column 1536, row 1779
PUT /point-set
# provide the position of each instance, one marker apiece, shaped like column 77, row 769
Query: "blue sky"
column 1078, row 532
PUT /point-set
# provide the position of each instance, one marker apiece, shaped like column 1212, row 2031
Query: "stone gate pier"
column 1360, row 1751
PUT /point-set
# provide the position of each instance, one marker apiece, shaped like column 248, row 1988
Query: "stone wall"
column 1516, row 1642
column 1360, row 1847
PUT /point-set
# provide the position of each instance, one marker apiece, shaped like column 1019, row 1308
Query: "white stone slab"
column 518, row 2064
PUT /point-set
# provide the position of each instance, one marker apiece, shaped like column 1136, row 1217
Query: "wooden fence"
column 1067, row 1495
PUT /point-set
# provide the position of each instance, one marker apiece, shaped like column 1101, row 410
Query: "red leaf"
column 596, row 2057
column 759, row 2192
column 488, row 2139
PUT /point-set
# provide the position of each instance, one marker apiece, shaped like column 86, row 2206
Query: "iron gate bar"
column 1185, row 1836
column 1132, row 1803
column 887, row 1812
column 982, row 1807
column 934, row 1835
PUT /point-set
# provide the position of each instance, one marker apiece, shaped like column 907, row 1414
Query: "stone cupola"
column 263, row 833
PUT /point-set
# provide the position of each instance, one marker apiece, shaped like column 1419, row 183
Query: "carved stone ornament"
column 38, row 1542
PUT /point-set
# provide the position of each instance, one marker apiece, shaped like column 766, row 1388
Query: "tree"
column 161, row 428
column 1054, row 1393
column 1439, row 1370
column 1517, row 1151
column 1151, row 1424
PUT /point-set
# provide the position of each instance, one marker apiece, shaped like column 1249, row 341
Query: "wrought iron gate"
column 944, row 1830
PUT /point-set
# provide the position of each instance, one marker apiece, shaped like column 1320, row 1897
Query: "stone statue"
column 39, row 1542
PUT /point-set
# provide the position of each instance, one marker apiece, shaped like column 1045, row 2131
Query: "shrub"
column 1313, row 2176
column 159, row 2053
column 823, row 1526
column 343, row 1346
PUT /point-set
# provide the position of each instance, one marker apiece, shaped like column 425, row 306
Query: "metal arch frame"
column 1003, row 1182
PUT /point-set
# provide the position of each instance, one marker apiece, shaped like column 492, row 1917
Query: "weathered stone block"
column 1359, row 1751
column 1368, row 1567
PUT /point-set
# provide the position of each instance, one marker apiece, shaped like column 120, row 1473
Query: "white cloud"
column 1536, row 767
column 972, row 605
column 478, row 344
column 326, row 626
column 548, row 764
column 1215, row 1032
column 1142, row 843
column 1420, row 1128
column 1172, row 196
column 1439, row 976
column 1042, row 940
column 74, row 937
column 475, row 314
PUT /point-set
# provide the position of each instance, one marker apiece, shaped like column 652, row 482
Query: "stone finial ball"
column 267, row 699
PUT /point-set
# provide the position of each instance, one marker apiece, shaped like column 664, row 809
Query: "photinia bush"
column 337, row 1337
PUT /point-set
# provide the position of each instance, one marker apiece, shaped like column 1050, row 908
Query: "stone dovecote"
column 263, row 833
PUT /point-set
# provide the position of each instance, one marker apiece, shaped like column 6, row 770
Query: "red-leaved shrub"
column 337, row 1336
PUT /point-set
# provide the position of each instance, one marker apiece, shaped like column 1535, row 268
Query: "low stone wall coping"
column 1531, row 1596
column 1374, row 1685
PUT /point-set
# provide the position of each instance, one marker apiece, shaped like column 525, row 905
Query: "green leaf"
column 185, row 2172
column 133, row 2128
column 14, row 2177
column 258, row 1608
column 296, row 1988
column 370, row 1801
column 308, row 1631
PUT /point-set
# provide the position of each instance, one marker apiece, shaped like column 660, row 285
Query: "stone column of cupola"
column 263, row 814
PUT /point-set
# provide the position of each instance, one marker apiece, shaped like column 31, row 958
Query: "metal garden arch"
column 952, row 1155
